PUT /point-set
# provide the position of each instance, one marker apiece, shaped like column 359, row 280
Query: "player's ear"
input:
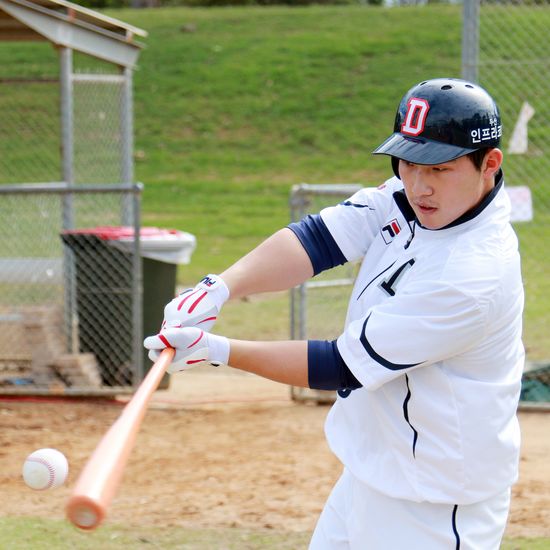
column 492, row 162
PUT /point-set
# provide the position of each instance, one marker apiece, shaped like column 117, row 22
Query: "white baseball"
column 45, row 469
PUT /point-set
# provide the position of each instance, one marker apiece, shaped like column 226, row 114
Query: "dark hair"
column 477, row 157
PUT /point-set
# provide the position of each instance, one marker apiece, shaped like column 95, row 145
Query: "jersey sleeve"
column 326, row 369
column 318, row 243
column 411, row 330
column 355, row 222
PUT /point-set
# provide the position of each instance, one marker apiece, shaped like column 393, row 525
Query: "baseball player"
column 428, row 365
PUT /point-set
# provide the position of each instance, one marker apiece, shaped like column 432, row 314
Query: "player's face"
column 441, row 193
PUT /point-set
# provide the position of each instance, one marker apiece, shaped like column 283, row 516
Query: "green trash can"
column 103, row 294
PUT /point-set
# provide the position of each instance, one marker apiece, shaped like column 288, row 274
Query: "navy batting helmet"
column 440, row 120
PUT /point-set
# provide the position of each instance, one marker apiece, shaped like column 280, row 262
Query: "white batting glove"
column 193, row 347
column 199, row 306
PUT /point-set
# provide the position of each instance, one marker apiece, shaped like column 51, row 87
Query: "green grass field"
column 256, row 100
column 232, row 107
column 235, row 105
column 40, row 534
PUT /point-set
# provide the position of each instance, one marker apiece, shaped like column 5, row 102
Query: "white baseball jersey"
column 433, row 333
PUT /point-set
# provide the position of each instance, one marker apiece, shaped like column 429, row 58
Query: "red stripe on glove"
column 196, row 302
column 164, row 340
column 180, row 305
column 207, row 319
column 191, row 345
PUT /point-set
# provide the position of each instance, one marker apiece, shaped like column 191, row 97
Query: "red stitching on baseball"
column 50, row 469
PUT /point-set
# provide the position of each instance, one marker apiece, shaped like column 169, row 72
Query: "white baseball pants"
column 357, row 518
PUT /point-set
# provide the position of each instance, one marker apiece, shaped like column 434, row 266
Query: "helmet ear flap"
column 395, row 166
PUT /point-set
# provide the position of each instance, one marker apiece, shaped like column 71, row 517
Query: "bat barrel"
column 85, row 512
column 99, row 480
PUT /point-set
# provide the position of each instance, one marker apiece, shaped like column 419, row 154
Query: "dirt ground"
column 219, row 448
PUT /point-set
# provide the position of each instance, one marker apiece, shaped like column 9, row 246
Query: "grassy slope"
column 235, row 105
column 253, row 100
column 229, row 116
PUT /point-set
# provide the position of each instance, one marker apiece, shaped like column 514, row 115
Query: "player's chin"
column 430, row 218
column 432, row 226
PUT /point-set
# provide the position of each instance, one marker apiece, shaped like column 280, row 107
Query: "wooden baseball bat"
column 99, row 480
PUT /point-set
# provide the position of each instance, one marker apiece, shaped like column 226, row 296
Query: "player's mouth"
column 425, row 208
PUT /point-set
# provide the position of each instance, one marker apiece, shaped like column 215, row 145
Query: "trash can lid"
column 165, row 245
column 116, row 232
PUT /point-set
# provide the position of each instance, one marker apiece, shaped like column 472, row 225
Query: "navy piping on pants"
column 455, row 530
column 406, row 413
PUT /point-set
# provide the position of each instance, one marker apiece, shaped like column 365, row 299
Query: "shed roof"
column 67, row 24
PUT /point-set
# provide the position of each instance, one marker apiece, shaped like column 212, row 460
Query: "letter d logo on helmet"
column 441, row 120
column 415, row 118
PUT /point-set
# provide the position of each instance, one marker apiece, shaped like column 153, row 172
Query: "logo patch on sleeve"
column 390, row 231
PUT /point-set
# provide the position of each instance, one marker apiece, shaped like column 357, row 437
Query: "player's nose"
column 419, row 181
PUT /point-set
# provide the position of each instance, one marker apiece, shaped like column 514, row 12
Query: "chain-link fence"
column 30, row 138
column 71, row 300
column 102, row 146
column 70, row 305
column 32, row 108
column 318, row 307
column 507, row 50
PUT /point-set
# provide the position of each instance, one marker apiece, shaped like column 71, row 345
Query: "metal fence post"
column 127, row 145
column 309, row 300
column 67, row 140
column 67, row 176
column 137, row 288
column 470, row 40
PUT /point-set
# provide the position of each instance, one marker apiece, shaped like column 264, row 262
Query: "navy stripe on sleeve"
column 326, row 368
column 319, row 244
